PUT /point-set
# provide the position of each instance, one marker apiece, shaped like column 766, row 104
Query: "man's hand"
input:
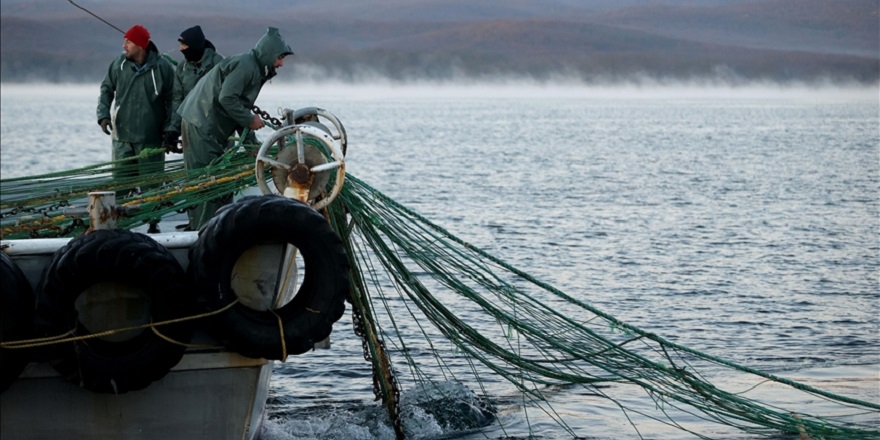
column 170, row 141
column 256, row 123
column 105, row 125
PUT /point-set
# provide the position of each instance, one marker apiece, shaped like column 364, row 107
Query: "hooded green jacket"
column 186, row 75
column 142, row 108
column 222, row 100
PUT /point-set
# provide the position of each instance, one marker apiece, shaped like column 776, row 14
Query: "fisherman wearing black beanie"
column 199, row 57
column 194, row 40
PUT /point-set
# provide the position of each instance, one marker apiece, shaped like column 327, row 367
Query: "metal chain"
column 357, row 321
column 37, row 215
column 395, row 391
column 57, row 231
column 42, row 211
column 360, row 331
column 76, row 223
column 266, row 117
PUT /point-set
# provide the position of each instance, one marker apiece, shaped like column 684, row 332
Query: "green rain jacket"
column 186, row 75
column 142, row 109
column 223, row 99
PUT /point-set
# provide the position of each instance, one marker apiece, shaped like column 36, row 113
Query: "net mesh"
column 419, row 289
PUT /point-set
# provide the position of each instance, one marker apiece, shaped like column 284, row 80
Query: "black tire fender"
column 320, row 299
column 128, row 258
column 16, row 319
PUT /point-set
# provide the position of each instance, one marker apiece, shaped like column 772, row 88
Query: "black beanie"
column 195, row 39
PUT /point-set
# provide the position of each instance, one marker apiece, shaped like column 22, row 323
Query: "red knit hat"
column 138, row 35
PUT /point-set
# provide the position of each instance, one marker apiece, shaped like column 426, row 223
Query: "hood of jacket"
column 270, row 47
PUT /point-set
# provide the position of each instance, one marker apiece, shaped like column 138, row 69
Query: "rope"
column 281, row 334
column 60, row 339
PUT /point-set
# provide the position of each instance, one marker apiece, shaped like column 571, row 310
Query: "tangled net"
column 541, row 337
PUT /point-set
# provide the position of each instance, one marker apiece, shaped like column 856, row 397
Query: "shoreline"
column 520, row 89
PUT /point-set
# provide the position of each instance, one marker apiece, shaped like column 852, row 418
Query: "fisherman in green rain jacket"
column 220, row 102
column 140, row 82
column 200, row 56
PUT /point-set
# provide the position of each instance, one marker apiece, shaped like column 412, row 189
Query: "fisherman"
column 200, row 56
column 220, row 102
column 138, row 84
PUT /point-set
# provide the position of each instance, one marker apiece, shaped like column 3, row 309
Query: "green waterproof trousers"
column 137, row 168
column 199, row 149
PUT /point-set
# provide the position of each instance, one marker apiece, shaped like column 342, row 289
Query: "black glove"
column 105, row 125
column 171, row 141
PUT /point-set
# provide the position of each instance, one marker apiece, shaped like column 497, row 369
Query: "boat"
column 174, row 335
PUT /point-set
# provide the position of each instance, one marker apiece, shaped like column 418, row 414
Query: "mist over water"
column 567, row 87
column 68, row 110
column 563, row 86
column 741, row 221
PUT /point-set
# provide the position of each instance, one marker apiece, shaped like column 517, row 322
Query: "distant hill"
column 836, row 27
column 600, row 40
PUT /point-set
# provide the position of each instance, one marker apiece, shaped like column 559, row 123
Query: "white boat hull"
column 206, row 396
column 210, row 394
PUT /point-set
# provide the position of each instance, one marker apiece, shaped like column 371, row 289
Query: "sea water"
column 741, row 222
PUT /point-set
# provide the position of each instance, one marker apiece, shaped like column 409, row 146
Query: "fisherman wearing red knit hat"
column 138, row 35
column 135, row 105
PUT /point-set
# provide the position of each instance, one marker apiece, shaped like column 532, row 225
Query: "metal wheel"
column 307, row 156
column 320, row 118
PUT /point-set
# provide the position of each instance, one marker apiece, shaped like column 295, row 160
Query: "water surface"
column 743, row 224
